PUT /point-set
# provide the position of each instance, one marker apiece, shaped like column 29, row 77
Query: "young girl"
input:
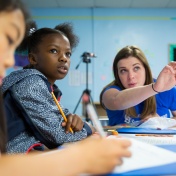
column 135, row 95
column 36, row 113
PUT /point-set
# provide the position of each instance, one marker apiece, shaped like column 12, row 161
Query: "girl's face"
column 11, row 34
column 52, row 57
column 131, row 72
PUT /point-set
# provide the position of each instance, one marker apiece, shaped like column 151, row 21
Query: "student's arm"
column 94, row 156
column 43, row 112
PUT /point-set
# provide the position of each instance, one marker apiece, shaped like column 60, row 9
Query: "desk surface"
column 168, row 147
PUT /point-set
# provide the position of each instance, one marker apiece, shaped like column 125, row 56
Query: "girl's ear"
column 32, row 59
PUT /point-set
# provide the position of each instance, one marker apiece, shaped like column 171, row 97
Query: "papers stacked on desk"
column 158, row 123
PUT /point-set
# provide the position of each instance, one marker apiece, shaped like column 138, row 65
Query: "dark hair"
column 31, row 27
column 34, row 38
column 8, row 6
column 150, row 103
column 67, row 30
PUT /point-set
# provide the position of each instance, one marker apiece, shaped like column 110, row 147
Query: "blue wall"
column 104, row 32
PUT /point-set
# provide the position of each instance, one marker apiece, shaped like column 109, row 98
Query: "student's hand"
column 73, row 121
column 101, row 155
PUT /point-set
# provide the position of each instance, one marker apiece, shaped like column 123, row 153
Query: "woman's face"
column 11, row 34
column 131, row 72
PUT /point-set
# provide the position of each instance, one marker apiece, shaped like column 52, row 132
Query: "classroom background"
column 103, row 31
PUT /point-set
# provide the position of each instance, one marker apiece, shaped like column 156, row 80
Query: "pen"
column 94, row 117
column 60, row 109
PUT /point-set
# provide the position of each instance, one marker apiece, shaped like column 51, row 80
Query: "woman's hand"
column 107, row 152
column 167, row 78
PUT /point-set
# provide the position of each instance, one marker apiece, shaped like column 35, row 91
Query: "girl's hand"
column 73, row 121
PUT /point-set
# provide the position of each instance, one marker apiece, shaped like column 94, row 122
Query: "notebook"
column 145, row 131
column 155, row 140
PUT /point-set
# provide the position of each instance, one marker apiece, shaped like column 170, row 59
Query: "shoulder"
column 111, row 89
column 26, row 77
column 32, row 80
column 32, row 83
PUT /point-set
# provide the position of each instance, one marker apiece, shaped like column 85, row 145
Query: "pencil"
column 94, row 117
column 113, row 132
column 60, row 109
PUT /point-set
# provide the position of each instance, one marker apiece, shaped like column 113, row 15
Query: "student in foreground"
column 134, row 95
column 94, row 155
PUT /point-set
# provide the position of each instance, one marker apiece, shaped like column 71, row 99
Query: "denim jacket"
column 32, row 115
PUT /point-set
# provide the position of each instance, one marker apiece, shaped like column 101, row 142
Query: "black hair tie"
column 154, row 89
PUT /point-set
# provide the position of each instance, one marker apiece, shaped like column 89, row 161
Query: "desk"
column 168, row 147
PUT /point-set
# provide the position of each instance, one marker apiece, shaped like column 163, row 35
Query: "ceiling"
column 100, row 3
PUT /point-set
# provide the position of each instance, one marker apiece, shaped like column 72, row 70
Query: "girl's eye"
column 9, row 39
column 68, row 54
column 53, row 51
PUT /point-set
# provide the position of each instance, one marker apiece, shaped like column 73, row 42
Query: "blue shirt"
column 165, row 102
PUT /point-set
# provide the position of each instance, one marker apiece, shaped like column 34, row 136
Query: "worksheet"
column 154, row 139
column 144, row 156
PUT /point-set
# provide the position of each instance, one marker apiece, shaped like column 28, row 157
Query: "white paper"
column 144, row 156
column 155, row 139
column 158, row 122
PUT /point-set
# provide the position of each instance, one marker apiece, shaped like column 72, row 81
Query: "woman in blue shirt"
column 135, row 95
